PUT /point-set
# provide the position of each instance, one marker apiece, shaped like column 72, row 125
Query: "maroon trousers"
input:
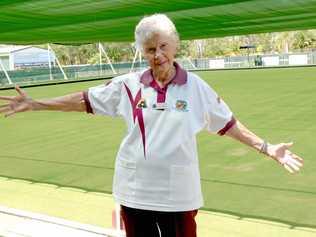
column 143, row 223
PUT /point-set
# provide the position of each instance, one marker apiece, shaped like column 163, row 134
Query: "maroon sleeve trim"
column 108, row 82
column 87, row 102
column 229, row 125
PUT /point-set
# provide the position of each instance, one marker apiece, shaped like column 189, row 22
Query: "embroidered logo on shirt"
column 141, row 103
column 181, row 105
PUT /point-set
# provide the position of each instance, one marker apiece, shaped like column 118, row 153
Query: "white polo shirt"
column 157, row 163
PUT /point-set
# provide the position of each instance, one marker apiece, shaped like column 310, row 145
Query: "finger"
column 10, row 98
column 20, row 91
column 9, row 113
column 5, row 109
column 293, row 166
column 288, row 145
column 296, row 162
column 288, row 168
column 4, row 105
column 298, row 158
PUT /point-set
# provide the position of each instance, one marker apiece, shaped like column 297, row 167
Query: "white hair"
column 150, row 25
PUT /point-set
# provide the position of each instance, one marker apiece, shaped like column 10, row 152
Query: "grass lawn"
column 78, row 150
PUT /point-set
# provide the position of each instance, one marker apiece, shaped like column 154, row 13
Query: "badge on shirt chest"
column 160, row 106
column 141, row 104
column 181, row 105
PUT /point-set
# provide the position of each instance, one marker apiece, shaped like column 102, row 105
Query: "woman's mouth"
column 161, row 63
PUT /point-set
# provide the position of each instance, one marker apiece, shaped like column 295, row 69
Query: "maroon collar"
column 180, row 78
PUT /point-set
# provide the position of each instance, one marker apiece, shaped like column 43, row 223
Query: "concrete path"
column 93, row 211
column 17, row 223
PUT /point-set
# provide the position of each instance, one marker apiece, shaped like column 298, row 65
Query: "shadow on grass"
column 258, row 186
column 58, row 185
column 56, row 162
column 241, row 216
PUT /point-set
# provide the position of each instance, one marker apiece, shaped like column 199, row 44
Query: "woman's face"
column 160, row 50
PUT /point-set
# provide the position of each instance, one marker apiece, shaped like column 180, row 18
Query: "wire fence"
column 44, row 73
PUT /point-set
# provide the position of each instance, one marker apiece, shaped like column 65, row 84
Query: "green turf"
column 278, row 104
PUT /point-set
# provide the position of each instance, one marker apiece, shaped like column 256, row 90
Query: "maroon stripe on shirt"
column 137, row 112
column 229, row 125
column 132, row 101
column 140, row 118
column 87, row 102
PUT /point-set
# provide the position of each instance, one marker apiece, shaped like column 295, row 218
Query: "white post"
column 100, row 58
column 108, row 59
column 49, row 63
column 199, row 45
column 134, row 59
column 5, row 72
column 140, row 59
column 60, row 67
column 11, row 61
column 190, row 62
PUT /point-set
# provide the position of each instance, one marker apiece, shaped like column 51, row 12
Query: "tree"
column 282, row 42
column 304, row 40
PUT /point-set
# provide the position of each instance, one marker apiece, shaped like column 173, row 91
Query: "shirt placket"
column 161, row 94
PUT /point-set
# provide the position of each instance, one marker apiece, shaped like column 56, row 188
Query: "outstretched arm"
column 278, row 152
column 22, row 103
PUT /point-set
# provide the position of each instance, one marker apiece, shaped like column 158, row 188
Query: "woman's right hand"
column 20, row 103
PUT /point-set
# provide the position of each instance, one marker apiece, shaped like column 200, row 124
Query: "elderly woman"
column 157, row 179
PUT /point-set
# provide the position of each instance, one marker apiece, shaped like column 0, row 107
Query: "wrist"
column 264, row 148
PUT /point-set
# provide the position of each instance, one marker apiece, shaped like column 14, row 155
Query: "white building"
column 13, row 57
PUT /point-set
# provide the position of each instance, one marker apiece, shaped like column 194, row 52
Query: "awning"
column 88, row 21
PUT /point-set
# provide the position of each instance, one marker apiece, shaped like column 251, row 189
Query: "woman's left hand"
column 281, row 153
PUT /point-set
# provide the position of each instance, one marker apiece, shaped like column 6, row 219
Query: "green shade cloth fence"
column 87, row 21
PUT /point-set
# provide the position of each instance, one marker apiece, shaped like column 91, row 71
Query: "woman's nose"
column 157, row 53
